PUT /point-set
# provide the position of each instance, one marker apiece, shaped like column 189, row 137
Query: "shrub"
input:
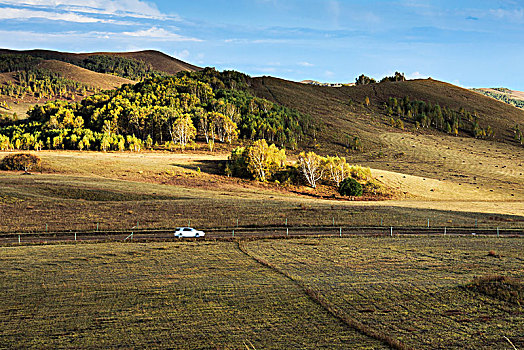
column 19, row 161
column 350, row 187
column 500, row 287
column 289, row 176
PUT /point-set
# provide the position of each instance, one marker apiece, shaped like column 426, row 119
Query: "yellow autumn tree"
column 264, row 160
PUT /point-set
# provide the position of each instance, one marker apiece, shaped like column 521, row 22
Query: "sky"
column 471, row 43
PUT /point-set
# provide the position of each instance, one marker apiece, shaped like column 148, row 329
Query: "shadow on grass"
column 215, row 167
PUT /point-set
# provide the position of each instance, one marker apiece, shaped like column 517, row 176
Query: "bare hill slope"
column 342, row 110
column 84, row 76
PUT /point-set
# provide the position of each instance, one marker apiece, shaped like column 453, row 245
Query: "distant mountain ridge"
column 158, row 60
column 346, row 113
column 511, row 97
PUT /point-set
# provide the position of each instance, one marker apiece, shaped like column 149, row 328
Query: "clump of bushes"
column 268, row 163
column 350, row 187
column 500, row 287
column 20, row 161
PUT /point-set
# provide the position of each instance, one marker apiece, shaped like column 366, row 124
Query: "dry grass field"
column 264, row 294
column 170, row 295
column 77, row 190
column 412, row 289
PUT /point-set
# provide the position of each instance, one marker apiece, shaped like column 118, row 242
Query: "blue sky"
column 469, row 43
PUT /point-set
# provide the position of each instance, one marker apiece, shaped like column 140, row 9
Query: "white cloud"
column 306, row 64
column 158, row 34
column 329, row 74
column 266, row 69
column 334, row 10
column 183, row 55
column 416, row 75
column 255, row 41
column 153, row 34
column 122, row 8
column 513, row 15
column 11, row 13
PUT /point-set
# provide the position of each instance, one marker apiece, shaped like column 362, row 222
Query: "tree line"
column 124, row 67
column 502, row 96
column 43, row 83
column 426, row 115
column 365, row 80
column 161, row 110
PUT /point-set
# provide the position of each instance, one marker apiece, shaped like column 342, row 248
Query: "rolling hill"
column 436, row 157
column 342, row 110
column 158, row 60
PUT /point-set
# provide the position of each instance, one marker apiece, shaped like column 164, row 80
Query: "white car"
column 188, row 232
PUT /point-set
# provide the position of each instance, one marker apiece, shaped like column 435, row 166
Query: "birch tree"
column 312, row 166
column 263, row 160
column 337, row 169
column 182, row 130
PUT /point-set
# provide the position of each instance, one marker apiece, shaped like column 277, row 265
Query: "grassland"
column 77, row 190
column 171, row 295
column 210, row 295
column 412, row 289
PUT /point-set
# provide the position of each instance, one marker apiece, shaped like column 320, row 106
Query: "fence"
column 137, row 234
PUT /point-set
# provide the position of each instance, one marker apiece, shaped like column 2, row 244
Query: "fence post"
column 75, row 236
column 498, row 234
column 333, row 221
column 237, row 222
column 428, row 222
column 97, row 226
column 340, row 232
column 391, row 231
column 287, row 231
column 18, row 239
column 445, row 229
column 381, row 219
column 189, row 223
column 286, row 221
column 45, row 227
column 233, row 233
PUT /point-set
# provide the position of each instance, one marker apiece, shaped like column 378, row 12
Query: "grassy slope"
column 331, row 106
column 84, row 76
column 75, row 73
column 65, row 70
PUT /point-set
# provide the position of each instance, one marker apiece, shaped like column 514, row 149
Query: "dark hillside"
column 343, row 112
column 158, row 60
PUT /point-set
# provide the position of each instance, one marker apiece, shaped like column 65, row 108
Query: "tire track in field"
column 316, row 297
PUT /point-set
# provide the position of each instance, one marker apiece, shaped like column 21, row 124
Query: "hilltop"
column 159, row 61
